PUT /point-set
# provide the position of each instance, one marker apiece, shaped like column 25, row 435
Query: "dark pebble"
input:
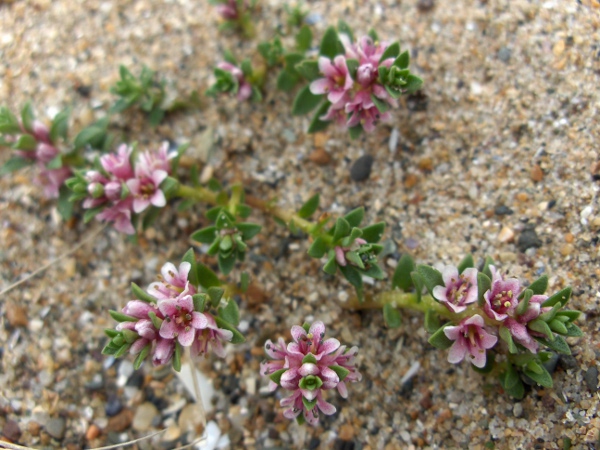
column 425, row 5
column 314, row 443
column 550, row 365
column 417, row 102
column 361, row 169
column 528, row 239
column 11, row 431
column 503, row 210
column 343, row 445
column 591, row 378
column 136, row 379
column 568, row 362
column 113, row 406
column 504, row 54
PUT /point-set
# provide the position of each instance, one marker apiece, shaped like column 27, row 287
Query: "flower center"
column 502, row 301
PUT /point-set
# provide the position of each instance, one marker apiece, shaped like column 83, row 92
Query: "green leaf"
column 169, row 186
column 316, row 124
column 391, row 52
column 60, row 125
column 573, row 330
column 391, row 316
column 352, row 275
column 305, row 102
column 205, row 235
column 124, row 348
column 237, row 338
column 352, row 65
column 402, row 275
column 418, row 283
column 25, row 142
column 150, row 216
column 558, row 344
column 570, row 314
column 309, row 69
column 9, row 124
column 355, row 217
column 355, row 131
column 432, row 321
column 177, row 357
column 286, row 81
column 141, row 357
column 226, row 263
column 92, row 135
column 344, row 28
column 309, row 208
column 466, row 263
column 230, row 313
column 199, row 302
column 304, row 38
column 215, row 294
column 540, row 285
column 431, row 277
column 403, row 60
column 373, row 233
column 512, row 384
column 13, row 164
column 440, row 340
column 248, row 230
column 561, row 297
column 413, row 84
column 541, row 327
column 381, row 105
column 55, row 163
column 558, row 327
column 318, row 248
column 206, row 277
column 524, row 303
column 190, row 257
column 156, row 321
column 342, row 229
column 484, row 284
column 27, row 117
column 120, row 317
column 330, row 44
column 539, row 374
column 507, row 337
column 186, row 205
column 342, row 372
column 549, row 315
column 276, row 376
column 373, row 35
column 64, row 206
column 91, row 213
column 142, row 295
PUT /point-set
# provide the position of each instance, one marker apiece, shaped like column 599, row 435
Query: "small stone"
column 92, row 432
column 506, row 235
column 504, row 54
column 189, row 419
column 346, row 432
column 528, row 239
column 11, row 431
column 566, row 249
column 591, row 378
column 522, row 197
column 536, row 173
column 113, row 406
column 172, row 433
column 144, row 415
column 503, row 210
column 56, row 427
column 361, row 169
column 426, row 164
column 120, row 422
column 559, row 48
column 320, row 156
column 425, row 5
column 551, row 364
column 568, row 362
column 410, row 180
column 320, row 140
column 16, row 315
column 34, row 428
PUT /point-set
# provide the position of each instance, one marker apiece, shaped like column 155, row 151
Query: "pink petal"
column 453, row 332
column 158, row 176
column 329, row 346
column 168, row 329
column 326, row 68
column 186, row 337
column 199, row 320
column 308, row 394
column 450, row 275
column 317, row 329
column 158, row 199
column 478, row 357
column 321, row 86
column 298, row 333
column 140, row 204
column 343, row 391
column 457, row 351
column 440, row 293
column 308, row 369
column 326, row 408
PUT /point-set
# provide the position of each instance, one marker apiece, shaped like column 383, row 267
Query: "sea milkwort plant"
column 493, row 321
column 186, row 308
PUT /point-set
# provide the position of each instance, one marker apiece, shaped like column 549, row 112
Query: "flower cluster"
column 34, row 143
column 116, row 189
column 171, row 314
column 309, row 366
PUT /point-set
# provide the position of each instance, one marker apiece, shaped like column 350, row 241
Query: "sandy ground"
column 502, row 142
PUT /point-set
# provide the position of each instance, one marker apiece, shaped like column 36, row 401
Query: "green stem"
column 197, row 193
column 237, row 197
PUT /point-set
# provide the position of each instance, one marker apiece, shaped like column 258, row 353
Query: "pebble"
column 550, row 365
column 16, row 315
column 536, row 173
column 425, row 5
column 503, row 210
column 56, row 427
column 591, row 378
column 189, row 419
column 92, row 432
column 320, row 156
column 11, row 431
column 504, row 54
column 518, row 410
column 506, row 235
column 121, row 421
column 172, row 433
column 144, row 415
column 346, row 432
column 528, row 239
column 361, row 169
column 113, row 406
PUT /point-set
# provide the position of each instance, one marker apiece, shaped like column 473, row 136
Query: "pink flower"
column 229, row 10
column 309, row 366
column 45, row 153
column 120, row 214
column 118, row 164
column 501, row 298
column 52, row 180
column 363, row 112
column 470, row 337
column 174, row 281
column 163, row 351
column 365, row 51
column 211, row 335
column 518, row 325
column 181, row 321
column 337, row 81
column 159, row 160
column 340, row 252
column 458, row 290
column 145, row 188
column 41, row 132
column 244, row 88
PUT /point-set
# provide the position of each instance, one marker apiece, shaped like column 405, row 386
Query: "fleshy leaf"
column 330, row 44
column 230, row 313
column 402, row 278
column 391, row 316
column 440, row 340
column 142, row 295
column 309, row 208
column 561, row 297
column 466, row 263
column 373, row 233
column 431, row 277
column 305, row 102
column 540, row 285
